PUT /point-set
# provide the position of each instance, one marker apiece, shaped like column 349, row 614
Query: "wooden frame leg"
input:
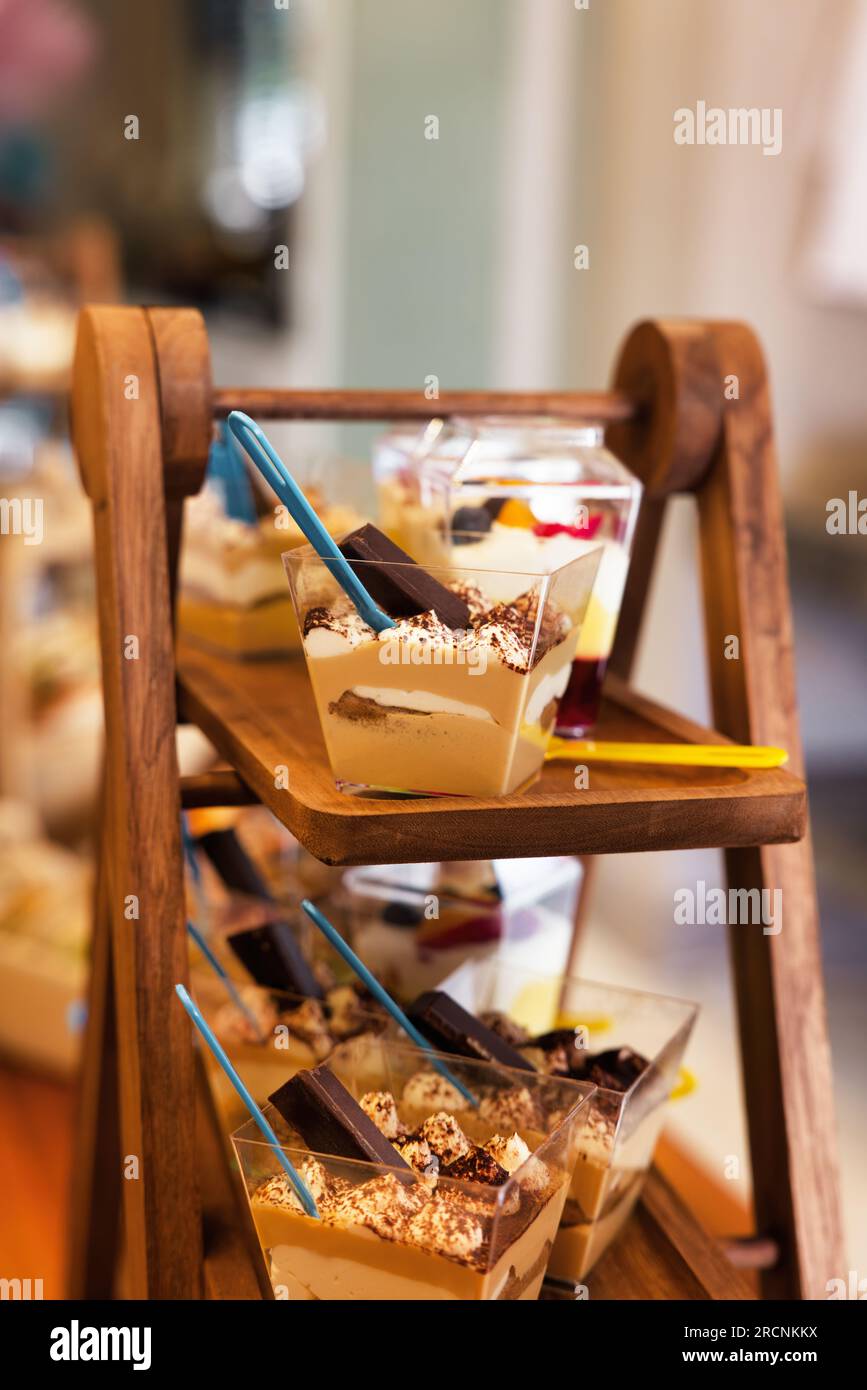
column 705, row 428
column 95, row 1196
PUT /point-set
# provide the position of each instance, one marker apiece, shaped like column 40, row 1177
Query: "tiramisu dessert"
column 232, row 590
column 419, row 1194
column 461, row 694
column 270, row 1033
column 518, row 494
column 616, row 1146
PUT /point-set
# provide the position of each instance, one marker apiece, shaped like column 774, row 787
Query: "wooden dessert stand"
column 143, row 414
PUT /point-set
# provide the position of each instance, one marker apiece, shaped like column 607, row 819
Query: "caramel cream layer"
column 487, row 752
column 317, row 1260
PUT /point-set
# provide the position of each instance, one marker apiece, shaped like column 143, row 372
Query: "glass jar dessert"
column 460, row 695
column 231, row 589
column 628, row 1044
column 268, row 1034
column 421, row 1193
column 524, row 492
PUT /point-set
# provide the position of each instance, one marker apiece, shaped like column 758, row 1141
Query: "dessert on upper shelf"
column 232, row 590
column 616, row 1146
column 517, row 493
column 460, row 695
column 420, row 1193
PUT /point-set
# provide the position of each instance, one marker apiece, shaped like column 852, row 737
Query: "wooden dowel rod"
column 604, row 407
column 219, row 787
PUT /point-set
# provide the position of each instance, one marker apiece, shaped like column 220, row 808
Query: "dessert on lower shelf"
column 232, row 592
column 413, row 924
column 460, row 696
column 271, row 1033
column 628, row 1044
column 421, row 1193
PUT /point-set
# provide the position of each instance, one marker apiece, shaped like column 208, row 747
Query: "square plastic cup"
column 617, row 1147
column 413, row 924
column 278, row 1035
column 530, row 491
column 390, row 1234
column 441, row 711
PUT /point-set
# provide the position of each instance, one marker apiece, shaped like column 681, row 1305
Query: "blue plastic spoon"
column 275, row 472
column 305, row 1196
column 333, row 935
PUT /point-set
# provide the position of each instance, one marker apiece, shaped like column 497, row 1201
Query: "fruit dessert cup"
column 629, row 1044
column 460, row 696
column 518, row 493
column 413, row 924
column 232, row 593
column 428, row 1196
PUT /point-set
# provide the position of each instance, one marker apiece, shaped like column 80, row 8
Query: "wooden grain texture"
column 780, row 994
column 95, row 1207
column 261, row 717
column 663, row 1254
column 183, row 366
column 218, row 787
column 276, row 404
column 233, row 1263
column 116, row 430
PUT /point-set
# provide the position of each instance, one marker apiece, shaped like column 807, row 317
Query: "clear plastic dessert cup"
column 415, row 923
column 275, row 1034
column 400, row 1233
column 427, row 709
column 616, row 1149
column 523, row 492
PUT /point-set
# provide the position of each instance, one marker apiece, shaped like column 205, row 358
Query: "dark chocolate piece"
column 561, row 1048
column 233, row 863
column 330, row 1120
column 476, row 1166
column 397, row 583
column 617, row 1069
column 275, row 960
column 449, row 1026
column 515, row 1034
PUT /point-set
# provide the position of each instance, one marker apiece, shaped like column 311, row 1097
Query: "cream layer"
column 317, row 1260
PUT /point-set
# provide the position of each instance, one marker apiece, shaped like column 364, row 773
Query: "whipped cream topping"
column 513, row 1109
column 450, row 1219
column 381, row 1108
column 445, row 1137
column 509, row 1153
column 429, row 1091
column 513, row 633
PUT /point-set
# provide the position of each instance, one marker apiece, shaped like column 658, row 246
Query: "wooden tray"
column 261, row 716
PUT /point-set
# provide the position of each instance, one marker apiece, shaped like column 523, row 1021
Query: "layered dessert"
column 420, row 1194
column 232, row 592
column 461, row 694
column 268, row 1034
column 518, row 494
column 616, row 1146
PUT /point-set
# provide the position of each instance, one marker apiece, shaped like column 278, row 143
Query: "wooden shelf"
column 261, row 716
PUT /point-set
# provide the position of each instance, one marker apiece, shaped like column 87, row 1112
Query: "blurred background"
column 272, row 165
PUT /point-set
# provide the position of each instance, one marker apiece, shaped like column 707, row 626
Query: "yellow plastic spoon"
column 580, row 750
